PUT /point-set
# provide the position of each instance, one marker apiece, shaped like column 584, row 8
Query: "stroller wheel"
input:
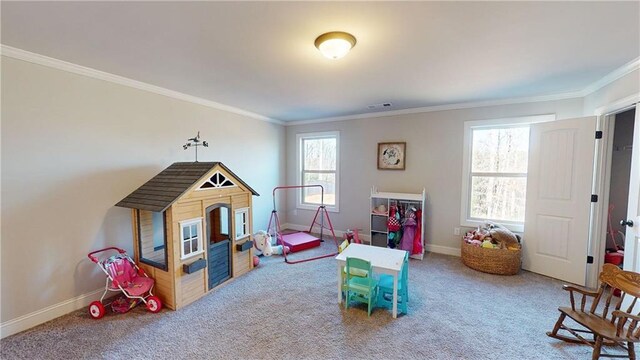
column 153, row 304
column 96, row 310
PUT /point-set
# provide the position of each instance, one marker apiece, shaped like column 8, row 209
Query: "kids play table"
column 383, row 261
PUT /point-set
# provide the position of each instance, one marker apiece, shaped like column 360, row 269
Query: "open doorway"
column 619, row 184
column 218, row 244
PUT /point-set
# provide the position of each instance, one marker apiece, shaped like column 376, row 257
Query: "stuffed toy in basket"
column 493, row 249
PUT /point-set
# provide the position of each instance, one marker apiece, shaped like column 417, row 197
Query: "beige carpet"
column 281, row 311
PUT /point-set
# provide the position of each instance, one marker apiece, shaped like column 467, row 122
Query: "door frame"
column 602, row 181
column 208, row 210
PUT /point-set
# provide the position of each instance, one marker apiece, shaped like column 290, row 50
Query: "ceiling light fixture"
column 335, row 44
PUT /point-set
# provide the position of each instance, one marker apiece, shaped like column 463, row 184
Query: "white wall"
column 73, row 146
column 434, row 162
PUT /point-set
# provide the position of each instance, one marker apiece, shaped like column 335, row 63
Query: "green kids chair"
column 354, row 271
column 385, row 288
column 361, row 289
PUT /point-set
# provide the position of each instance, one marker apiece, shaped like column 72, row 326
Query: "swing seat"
column 607, row 326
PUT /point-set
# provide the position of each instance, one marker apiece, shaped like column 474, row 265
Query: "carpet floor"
column 282, row 311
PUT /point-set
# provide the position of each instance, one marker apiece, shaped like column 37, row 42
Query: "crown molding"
column 456, row 106
column 24, row 55
column 593, row 87
column 612, row 76
column 618, row 105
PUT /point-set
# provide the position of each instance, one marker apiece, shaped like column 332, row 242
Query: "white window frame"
column 244, row 211
column 300, row 163
column 184, row 224
column 465, row 199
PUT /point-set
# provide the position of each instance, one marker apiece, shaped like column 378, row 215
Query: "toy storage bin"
column 379, row 239
column 492, row 261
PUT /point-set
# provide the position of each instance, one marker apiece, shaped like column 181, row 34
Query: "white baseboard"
column 41, row 316
column 38, row 317
column 339, row 233
column 439, row 249
column 297, row 227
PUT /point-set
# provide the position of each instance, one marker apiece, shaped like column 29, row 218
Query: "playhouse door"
column 219, row 244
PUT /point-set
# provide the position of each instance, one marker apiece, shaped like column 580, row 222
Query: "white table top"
column 379, row 257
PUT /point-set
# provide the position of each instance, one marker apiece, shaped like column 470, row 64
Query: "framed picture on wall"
column 391, row 155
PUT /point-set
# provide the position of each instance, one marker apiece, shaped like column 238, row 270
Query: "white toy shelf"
column 378, row 219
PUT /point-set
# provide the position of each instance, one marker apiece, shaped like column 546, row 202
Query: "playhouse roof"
column 169, row 185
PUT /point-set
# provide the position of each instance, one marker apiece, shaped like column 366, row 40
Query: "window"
column 318, row 165
column 242, row 223
column 225, row 223
column 152, row 244
column 191, row 240
column 495, row 171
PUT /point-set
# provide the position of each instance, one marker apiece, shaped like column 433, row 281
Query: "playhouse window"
column 191, row 237
column 242, row 223
column 152, row 244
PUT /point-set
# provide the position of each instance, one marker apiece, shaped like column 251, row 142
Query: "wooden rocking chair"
column 615, row 328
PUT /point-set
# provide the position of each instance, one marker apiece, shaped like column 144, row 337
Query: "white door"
column 556, row 228
column 632, row 236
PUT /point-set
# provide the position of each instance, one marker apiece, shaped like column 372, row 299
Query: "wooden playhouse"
column 191, row 229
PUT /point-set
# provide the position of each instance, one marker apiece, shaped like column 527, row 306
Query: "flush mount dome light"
column 335, row 44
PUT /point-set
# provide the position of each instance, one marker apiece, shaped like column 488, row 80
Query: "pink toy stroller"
column 124, row 275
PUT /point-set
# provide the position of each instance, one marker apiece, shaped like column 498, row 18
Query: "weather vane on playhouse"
column 195, row 142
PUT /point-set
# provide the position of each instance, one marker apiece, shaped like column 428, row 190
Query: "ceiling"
column 260, row 57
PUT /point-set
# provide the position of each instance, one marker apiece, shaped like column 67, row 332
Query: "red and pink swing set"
column 302, row 240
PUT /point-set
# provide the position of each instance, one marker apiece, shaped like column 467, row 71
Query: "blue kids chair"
column 385, row 288
column 361, row 289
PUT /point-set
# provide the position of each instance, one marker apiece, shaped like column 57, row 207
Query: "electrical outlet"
column 456, row 231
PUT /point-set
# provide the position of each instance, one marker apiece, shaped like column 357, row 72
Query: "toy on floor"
column 614, row 255
column 123, row 304
column 123, row 275
column 352, row 236
column 266, row 246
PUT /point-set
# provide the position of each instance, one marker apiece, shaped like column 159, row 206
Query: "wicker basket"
column 492, row 261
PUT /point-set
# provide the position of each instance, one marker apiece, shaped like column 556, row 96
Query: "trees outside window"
column 318, row 165
column 499, row 173
column 494, row 171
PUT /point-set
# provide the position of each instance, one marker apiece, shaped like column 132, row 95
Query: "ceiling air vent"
column 379, row 106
